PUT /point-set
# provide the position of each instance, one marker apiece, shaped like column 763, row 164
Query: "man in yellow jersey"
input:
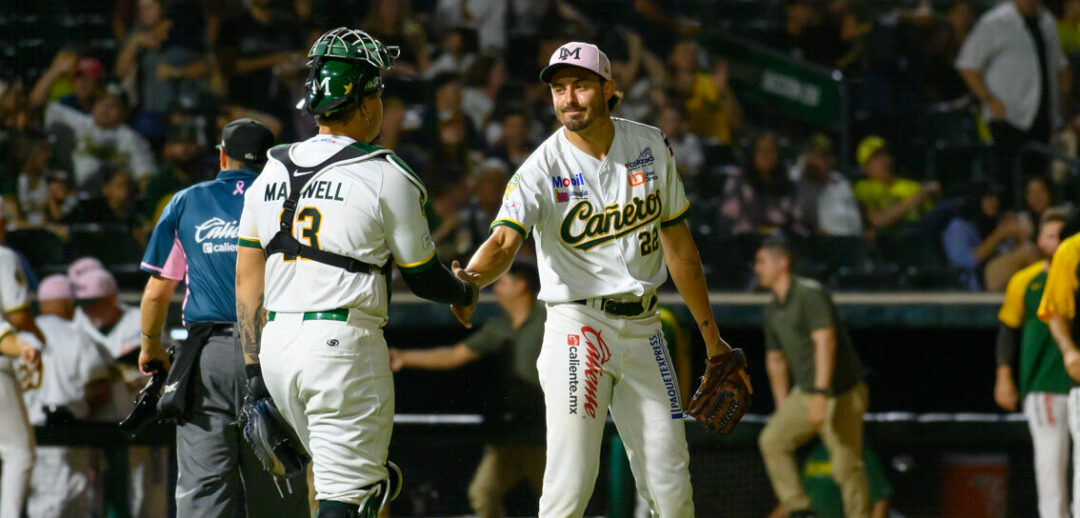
column 1043, row 380
column 1058, row 309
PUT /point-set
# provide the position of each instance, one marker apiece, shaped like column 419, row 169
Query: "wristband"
column 253, row 370
column 818, row 392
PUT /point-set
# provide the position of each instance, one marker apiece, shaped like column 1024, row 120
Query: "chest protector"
column 283, row 242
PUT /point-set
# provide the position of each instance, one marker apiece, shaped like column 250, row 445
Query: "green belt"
column 339, row 314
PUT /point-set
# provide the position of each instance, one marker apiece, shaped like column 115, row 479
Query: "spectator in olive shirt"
column 826, row 398
column 516, row 337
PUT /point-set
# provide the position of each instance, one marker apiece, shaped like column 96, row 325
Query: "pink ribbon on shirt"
column 239, row 188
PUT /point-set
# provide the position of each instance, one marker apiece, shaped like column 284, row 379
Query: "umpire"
column 195, row 241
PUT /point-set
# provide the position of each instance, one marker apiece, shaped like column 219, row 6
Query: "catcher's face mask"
column 346, row 66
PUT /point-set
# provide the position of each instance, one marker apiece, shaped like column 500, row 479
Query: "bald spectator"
column 103, row 139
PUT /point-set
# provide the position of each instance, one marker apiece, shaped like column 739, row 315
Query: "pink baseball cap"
column 83, row 265
column 94, row 284
column 56, row 286
column 577, row 54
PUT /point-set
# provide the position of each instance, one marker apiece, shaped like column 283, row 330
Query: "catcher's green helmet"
column 346, row 66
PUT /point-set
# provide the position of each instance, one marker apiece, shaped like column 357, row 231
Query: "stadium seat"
column 41, row 247
column 917, row 259
column 113, row 245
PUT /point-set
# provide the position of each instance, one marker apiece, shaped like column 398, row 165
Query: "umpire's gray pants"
column 215, row 462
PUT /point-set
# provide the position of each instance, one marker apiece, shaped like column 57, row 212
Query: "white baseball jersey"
column 597, row 223
column 69, row 364
column 369, row 208
column 13, row 291
column 125, row 335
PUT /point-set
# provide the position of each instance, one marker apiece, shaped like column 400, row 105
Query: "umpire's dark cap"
column 246, row 140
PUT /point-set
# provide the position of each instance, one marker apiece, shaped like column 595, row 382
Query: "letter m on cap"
column 565, row 53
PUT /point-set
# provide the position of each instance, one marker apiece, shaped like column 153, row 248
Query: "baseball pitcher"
column 607, row 206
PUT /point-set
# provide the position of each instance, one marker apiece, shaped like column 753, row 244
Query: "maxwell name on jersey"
column 584, row 227
column 317, row 190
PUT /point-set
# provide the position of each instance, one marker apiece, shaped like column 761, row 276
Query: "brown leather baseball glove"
column 723, row 396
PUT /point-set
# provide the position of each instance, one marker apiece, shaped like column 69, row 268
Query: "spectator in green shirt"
column 822, row 396
column 516, row 338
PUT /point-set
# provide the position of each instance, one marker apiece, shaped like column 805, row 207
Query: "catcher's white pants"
column 16, row 445
column 332, row 382
column 1048, row 420
column 591, row 362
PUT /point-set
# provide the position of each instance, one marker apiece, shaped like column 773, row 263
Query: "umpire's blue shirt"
column 195, row 241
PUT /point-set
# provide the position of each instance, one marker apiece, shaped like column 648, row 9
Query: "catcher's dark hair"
column 340, row 116
column 527, row 273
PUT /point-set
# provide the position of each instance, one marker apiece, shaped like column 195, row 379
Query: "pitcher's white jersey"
column 365, row 208
column 597, row 223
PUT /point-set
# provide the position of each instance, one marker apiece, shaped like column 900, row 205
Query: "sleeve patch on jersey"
column 517, row 226
column 676, row 218
column 249, row 243
column 420, row 266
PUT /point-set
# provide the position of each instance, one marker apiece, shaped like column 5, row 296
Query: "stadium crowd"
column 103, row 122
column 101, row 125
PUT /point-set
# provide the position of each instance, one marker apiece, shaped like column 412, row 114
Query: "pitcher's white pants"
column 591, row 362
column 332, row 382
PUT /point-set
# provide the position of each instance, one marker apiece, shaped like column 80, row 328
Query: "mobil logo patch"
column 562, row 182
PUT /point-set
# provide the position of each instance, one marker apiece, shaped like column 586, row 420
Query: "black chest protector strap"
column 283, row 242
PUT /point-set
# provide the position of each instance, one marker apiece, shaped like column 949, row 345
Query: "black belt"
column 223, row 329
column 622, row 308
